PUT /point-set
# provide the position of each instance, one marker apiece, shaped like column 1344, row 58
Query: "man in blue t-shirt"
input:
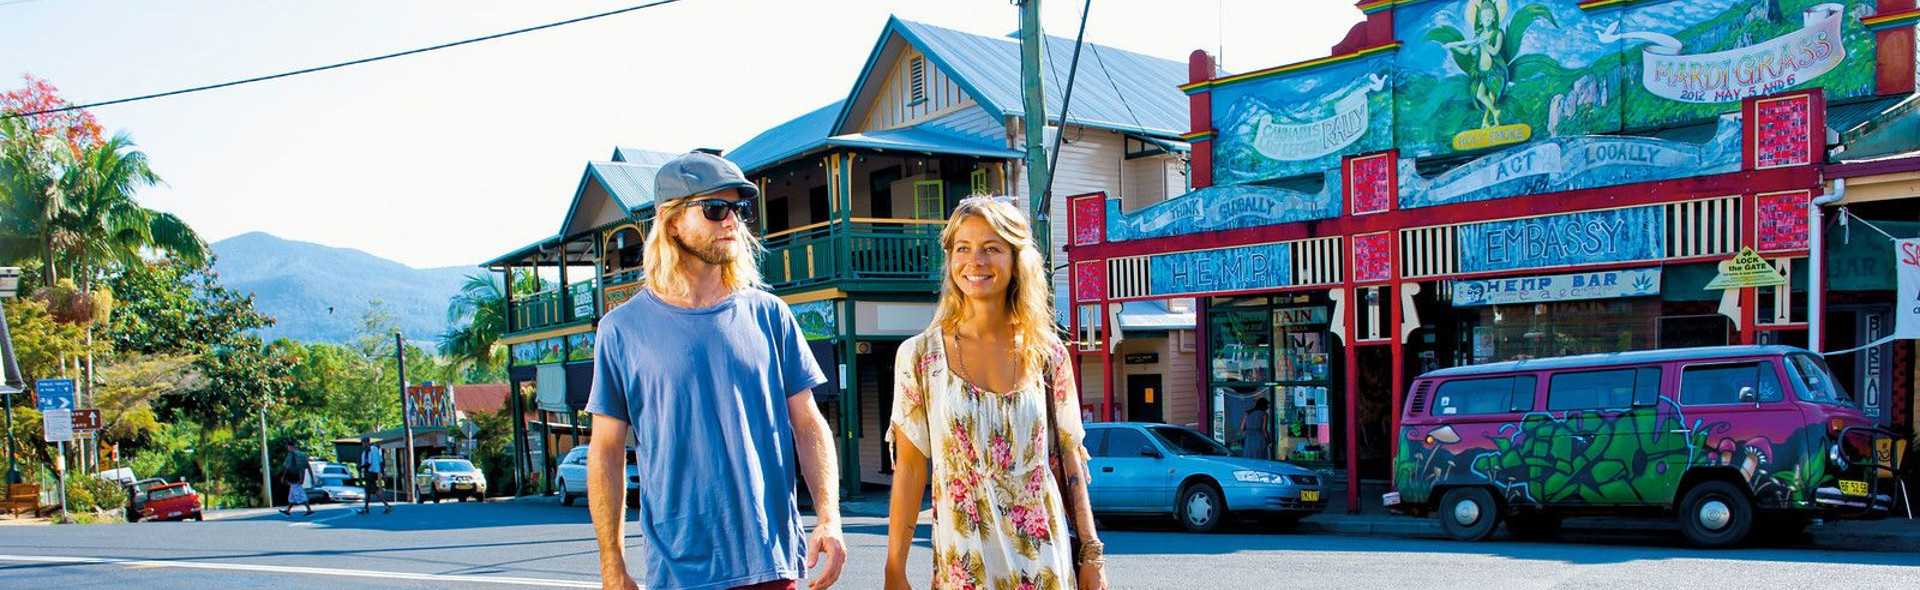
column 714, row 378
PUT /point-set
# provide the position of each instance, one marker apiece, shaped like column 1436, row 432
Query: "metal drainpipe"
column 1816, row 264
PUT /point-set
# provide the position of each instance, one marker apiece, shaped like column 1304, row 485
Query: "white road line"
column 314, row 571
column 327, row 519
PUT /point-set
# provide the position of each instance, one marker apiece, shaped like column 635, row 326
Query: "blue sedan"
column 1143, row 468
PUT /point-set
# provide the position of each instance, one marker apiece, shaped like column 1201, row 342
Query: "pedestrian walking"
column 984, row 397
column 294, row 472
column 370, row 464
column 712, row 377
column 1256, row 431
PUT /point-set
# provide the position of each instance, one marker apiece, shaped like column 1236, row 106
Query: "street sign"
column 54, row 394
column 85, row 421
column 1747, row 269
column 9, row 281
column 57, row 425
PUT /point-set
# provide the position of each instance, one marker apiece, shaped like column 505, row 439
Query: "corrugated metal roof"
column 1844, row 118
column 632, row 184
column 786, row 140
column 1152, row 315
column 640, row 156
column 922, row 139
column 521, row 253
column 1115, row 89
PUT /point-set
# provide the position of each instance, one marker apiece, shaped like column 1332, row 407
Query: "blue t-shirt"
column 705, row 391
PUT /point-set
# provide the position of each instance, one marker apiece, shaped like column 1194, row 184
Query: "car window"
column 164, row 493
column 331, row 482
column 1125, row 442
column 1188, row 442
column 1816, row 382
column 1096, row 438
column 1720, row 384
column 1497, row 395
column 453, row 466
column 1608, row 389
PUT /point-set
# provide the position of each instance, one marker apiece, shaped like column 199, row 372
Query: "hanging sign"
column 1906, row 312
column 1747, row 269
column 1223, row 269
column 1605, row 284
column 1570, row 239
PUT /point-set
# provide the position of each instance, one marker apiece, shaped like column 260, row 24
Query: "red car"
column 174, row 501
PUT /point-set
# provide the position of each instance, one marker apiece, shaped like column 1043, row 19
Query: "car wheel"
column 1469, row 514
column 1201, row 508
column 566, row 499
column 1534, row 526
column 1715, row 514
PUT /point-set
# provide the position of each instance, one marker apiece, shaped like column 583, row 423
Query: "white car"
column 571, row 477
column 449, row 477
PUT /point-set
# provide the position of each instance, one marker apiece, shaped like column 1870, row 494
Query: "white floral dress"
column 998, row 522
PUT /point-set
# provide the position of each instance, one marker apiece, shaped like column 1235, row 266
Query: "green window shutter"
column 980, row 182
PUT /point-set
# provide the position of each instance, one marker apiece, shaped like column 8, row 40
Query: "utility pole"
column 266, row 463
column 406, row 414
column 1032, row 58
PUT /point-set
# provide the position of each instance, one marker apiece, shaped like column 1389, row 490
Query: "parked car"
column 442, row 477
column 137, row 496
column 571, row 477
column 1720, row 438
column 169, row 501
column 1144, row 468
column 335, row 488
column 123, row 476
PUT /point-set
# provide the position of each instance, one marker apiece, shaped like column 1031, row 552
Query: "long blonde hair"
column 662, row 258
column 1029, row 304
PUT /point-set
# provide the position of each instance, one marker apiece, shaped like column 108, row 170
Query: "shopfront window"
column 1242, row 346
column 1561, row 328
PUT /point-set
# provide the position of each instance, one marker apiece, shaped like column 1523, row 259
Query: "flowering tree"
column 76, row 127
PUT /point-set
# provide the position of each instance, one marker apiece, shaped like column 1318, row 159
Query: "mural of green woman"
column 1489, row 52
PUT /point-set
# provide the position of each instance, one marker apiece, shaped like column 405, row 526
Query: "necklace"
column 960, row 366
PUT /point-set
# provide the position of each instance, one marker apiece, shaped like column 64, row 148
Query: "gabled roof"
column 630, row 185
column 792, row 138
column 640, row 156
column 1114, row 89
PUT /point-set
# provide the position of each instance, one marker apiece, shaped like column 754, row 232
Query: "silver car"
column 570, row 479
column 1146, row 468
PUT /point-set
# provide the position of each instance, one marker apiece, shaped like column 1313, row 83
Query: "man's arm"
column 606, row 498
column 814, row 441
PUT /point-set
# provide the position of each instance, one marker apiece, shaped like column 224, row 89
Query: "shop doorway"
column 1375, row 411
column 1867, row 375
column 1143, row 398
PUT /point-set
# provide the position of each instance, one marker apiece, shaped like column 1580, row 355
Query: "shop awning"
column 1149, row 316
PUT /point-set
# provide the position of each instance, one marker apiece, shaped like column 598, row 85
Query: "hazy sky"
column 455, row 157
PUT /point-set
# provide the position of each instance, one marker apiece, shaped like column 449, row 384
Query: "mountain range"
column 319, row 293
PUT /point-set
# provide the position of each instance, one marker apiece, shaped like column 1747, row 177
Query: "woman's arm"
column 903, row 514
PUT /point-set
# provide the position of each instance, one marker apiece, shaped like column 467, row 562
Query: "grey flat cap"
column 700, row 173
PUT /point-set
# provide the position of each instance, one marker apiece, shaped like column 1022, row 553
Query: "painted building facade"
column 1466, row 181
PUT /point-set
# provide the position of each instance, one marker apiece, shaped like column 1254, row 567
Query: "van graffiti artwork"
column 1604, row 457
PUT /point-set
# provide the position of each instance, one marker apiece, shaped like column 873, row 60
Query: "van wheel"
column 1715, row 514
column 1534, row 526
column 1201, row 508
column 1469, row 514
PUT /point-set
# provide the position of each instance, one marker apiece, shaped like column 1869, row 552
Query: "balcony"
column 546, row 309
column 857, row 255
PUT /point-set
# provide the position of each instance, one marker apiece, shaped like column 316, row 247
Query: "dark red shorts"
column 774, row 585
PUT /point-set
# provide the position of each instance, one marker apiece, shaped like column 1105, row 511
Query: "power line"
column 5, row 116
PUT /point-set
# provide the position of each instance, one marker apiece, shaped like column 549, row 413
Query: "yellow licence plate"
column 1309, row 496
column 1853, row 488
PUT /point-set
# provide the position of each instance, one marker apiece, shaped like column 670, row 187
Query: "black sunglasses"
column 716, row 209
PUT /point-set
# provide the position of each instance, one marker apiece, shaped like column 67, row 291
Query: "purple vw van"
column 1723, row 439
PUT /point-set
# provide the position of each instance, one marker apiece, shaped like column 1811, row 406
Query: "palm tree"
column 101, row 223
column 477, row 318
column 30, row 166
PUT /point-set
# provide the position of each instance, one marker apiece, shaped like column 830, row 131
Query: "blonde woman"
column 971, row 400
